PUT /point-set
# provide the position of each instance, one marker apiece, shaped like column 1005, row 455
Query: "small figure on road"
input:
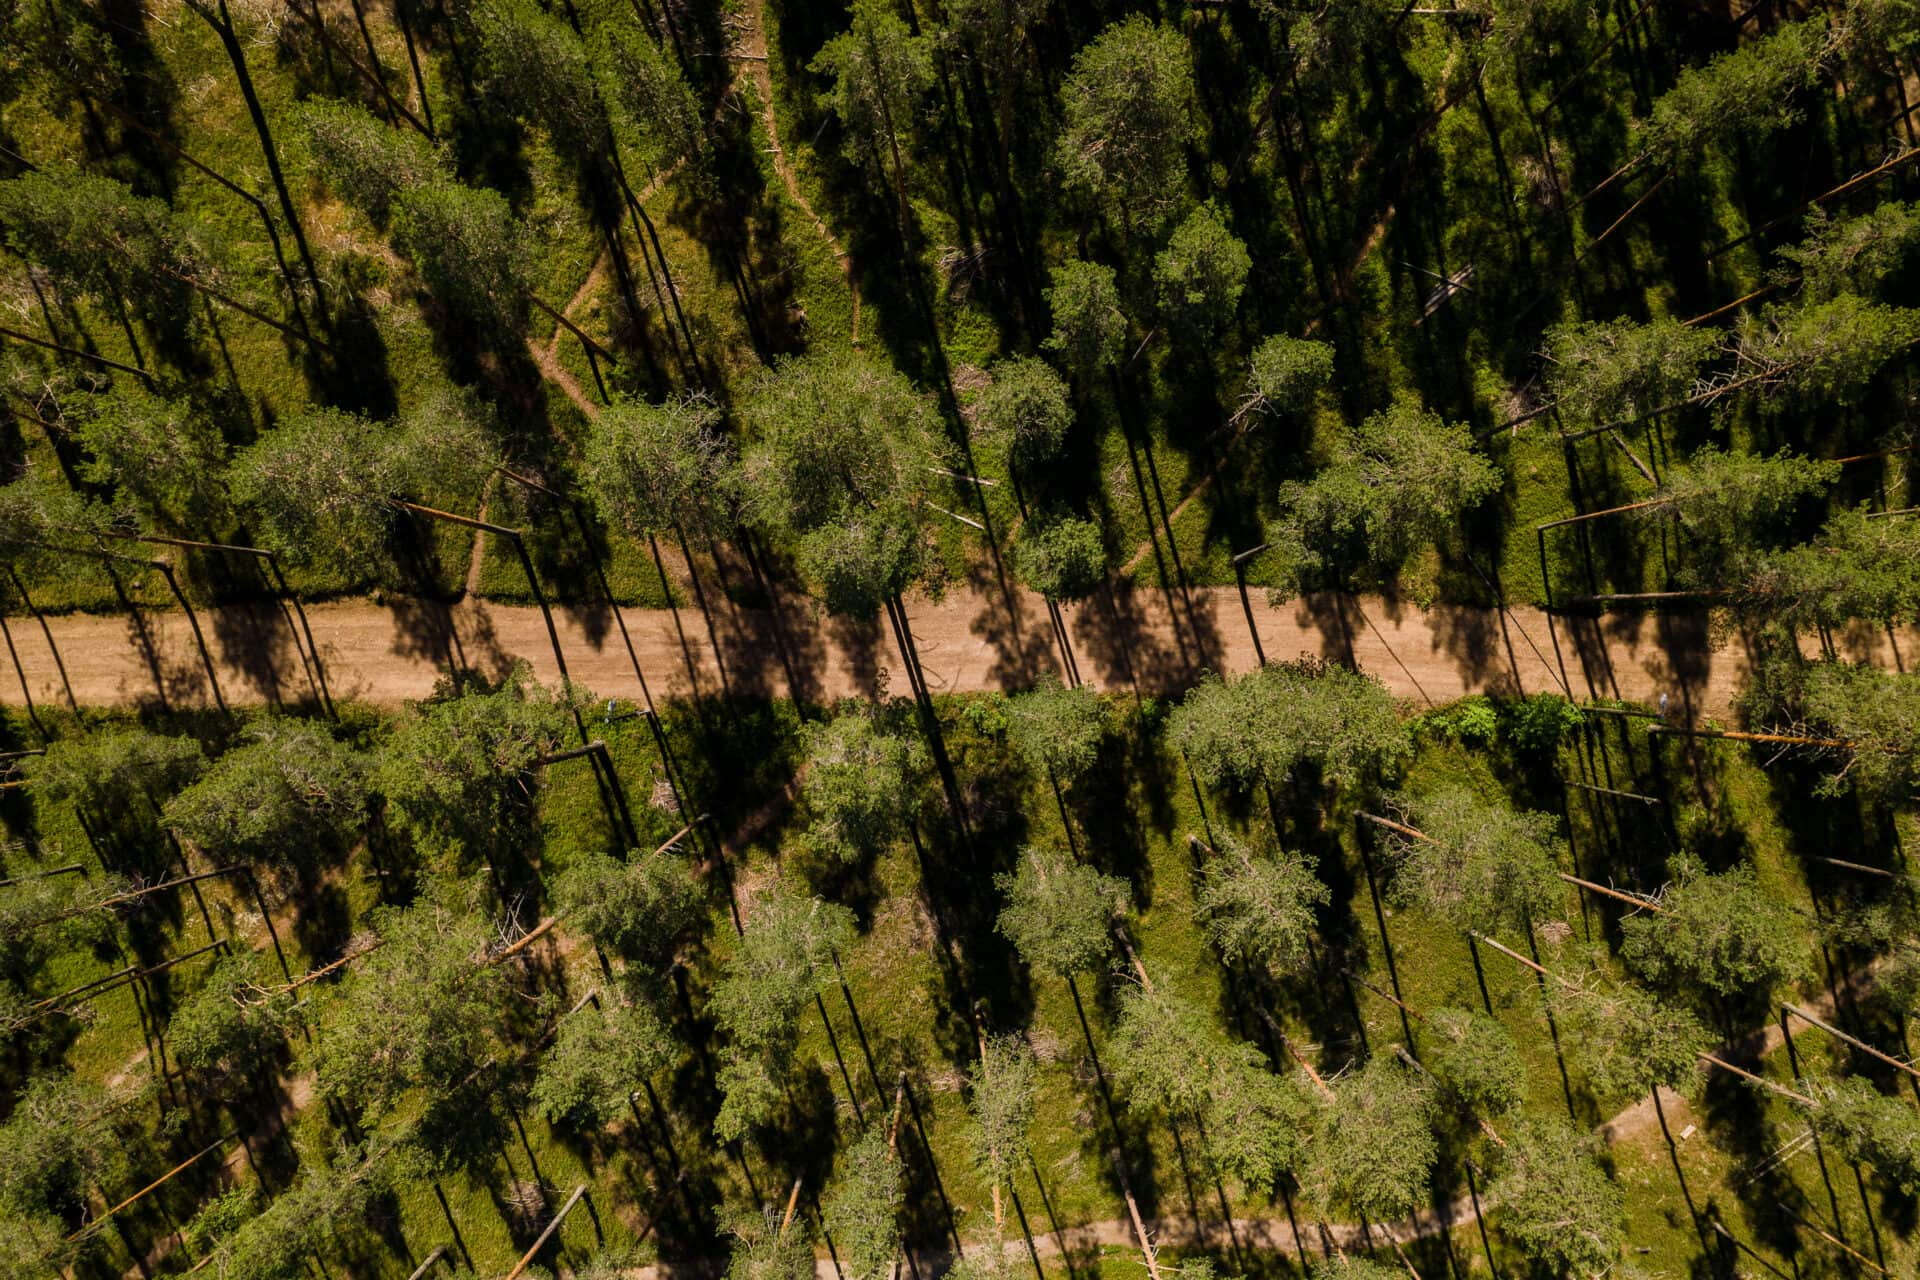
column 1663, row 706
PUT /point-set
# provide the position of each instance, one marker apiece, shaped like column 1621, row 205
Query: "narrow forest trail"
column 390, row 651
column 752, row 50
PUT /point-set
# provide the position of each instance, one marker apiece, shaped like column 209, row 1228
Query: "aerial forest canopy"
column 959, row 637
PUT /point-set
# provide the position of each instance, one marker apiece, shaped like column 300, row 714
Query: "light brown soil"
column 393, row 651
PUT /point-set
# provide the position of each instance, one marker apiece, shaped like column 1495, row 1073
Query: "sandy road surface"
column 389, row 652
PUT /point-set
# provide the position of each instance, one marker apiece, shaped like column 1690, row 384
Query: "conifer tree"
column 1200, row 275
column 1026, row 407
column 1059, row 913
column 1268, row 723
column 1556, row 1204
column 1374, row 1147
column 1257, row 904
column 1483, row 866
column 1721, row 934
column 1128, row 105
column 285, row 798
column 1089, row 327
column 1402, row 479
column 862, row 784
column 781, row 960
column 1058, row 731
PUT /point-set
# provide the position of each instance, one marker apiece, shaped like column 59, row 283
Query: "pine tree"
column 1403, row 478
column 781, row 961
column 1201, row 274
column 1268, row 723
column 1063, row 557
column 1869, row 1128
column 1285, row 374
column 289, row 797
column 879, row 69
column 1059, row 913
column 1058, row 731
column 1483, row 867
column 862, row 784
column 1721, row 934
column 1556, row 1204
column 1027, row 409
column 1258, row 904
column 862, row 1209
column 597, row 1061
column 1128, row 106
column 837, row 467
column 1373, row 1150
column 1089, row 327
column 457, row 768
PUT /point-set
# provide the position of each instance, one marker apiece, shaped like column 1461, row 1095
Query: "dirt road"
column 392, row 651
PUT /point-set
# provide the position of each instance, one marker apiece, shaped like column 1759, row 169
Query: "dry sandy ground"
column 393, row 651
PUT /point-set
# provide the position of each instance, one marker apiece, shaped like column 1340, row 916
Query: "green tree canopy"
column 640, row 909
column 1285, row 374
column 1876, row 711
column 1258, row 904
column 1128, row 107
column 1169, row 1057
column 471, row 254
column 162, row 459
column 862, row 783
column 457, row 767
column 1485, row 868
column 1402, row 479
column 1858, row 255
column 647, row 92
column 231, row 1027
column 418, row 1013
column 100, row 239
column 1002, row 1087
column 879, row 69
column 1059, row 913
column 597, row 1061
column 1556, row 1204
column 1869, row 1128
column 320, row 484
column 1063, row 558
column 1057, row 730
column 278, row 799
column 763, row 1250
column 1817, row 352
column 1265, row 724
column 1476, row 1060
column 537, row 68
column 1858, row 568
column 369, row 165
column 1089, row 328
column 1601, row 371
column 120, row 775
column 656, row 467
column 1026, row 406
column 1730, row 502
column 1201, row 273
column 1374, row 1149
column 324, row 1203
column 63, row 1139
column 1630, row 1040
column 862, row 1207
column 838, row 466
column 1724, row 934
column 784, row 956
column 1747, row 92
